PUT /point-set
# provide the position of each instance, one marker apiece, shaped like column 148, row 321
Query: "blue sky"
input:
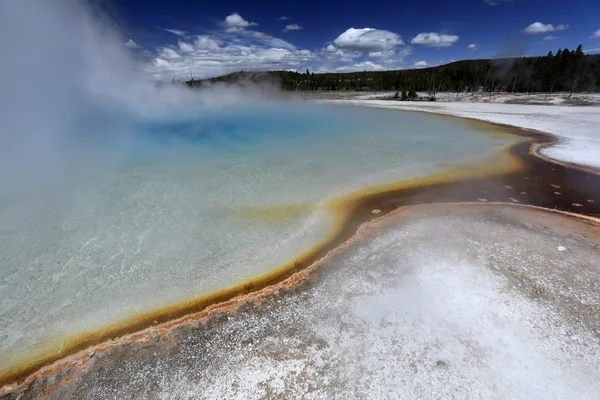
column 179, row 37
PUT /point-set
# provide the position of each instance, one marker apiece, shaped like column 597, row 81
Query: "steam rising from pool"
column 118, row 197
column 70, row 88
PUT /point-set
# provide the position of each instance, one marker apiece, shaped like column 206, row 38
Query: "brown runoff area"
column 538, row 181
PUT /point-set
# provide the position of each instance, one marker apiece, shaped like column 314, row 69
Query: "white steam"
column 63, row 79
column 70, row 86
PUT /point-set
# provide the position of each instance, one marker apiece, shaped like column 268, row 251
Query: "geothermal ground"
column 461, row 301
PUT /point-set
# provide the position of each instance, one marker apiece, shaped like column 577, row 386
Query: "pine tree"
column 565, row 70
column 579, row 57
column 404, row 96
column 398, row 81
column 412, row 94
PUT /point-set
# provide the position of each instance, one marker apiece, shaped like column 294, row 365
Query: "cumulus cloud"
column 333, row 54
column 131, row 44
column 235, row 23
column 473, row 46
column 168, row 53
column 160, row 63
column 220, row 53
column 229, row 58
column 364, row 49
column 596, row 35
column 185, row 47
column 367, row 40
column 292, row 27
column 539, row 27
column 282, row 18
column 433, row 39
column 420, row 64
column 362, row 66
column 174, row 31
column 380, row 54
column 405, row 51
column 391, row 59
column 550, row 37
column 205, row 42
column 237, row 47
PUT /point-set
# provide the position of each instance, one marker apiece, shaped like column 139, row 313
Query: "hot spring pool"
column 183, row 206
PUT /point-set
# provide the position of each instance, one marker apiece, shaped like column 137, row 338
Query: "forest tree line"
column 565, row 71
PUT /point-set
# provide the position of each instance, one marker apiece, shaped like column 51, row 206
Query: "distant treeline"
column 567, row 70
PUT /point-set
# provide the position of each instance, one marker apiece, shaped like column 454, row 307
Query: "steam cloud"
column 71, row 89
column 66, row 80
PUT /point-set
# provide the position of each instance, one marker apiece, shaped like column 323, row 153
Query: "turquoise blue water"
column 178, row 206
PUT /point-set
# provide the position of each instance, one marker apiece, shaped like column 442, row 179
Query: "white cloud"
column 185, row 47
column 592, row 51
column 292, row 27
column 204, row 42
column 473, row 46
column 353, row 46
column 388, row 59
column 331, row 54
column 404, row 52
column 550, row 37
column 235, row 23
column 222, row 53
column 596, row 35
column 420, row 64
column 168, row 53
column 539, row 27
column 267, row 40
column 160, row 63
column 131, row 44
column 362, row 66
column 282, row 18
column 237, row 47
column 433, row 39
column 368, row 40
column 174, row 31
column 392, row 54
